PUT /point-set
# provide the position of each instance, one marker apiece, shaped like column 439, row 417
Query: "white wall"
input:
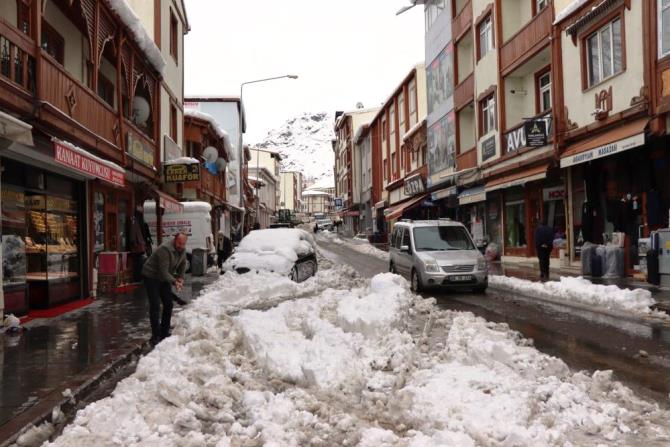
column 74, row 40
column 466, row 117
column 466, row 56
column 625, row 85
column 515, row 15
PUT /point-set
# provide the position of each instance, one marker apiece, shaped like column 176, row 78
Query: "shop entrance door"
column 534, row 218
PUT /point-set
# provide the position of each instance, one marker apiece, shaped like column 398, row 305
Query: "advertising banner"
column 442, row 145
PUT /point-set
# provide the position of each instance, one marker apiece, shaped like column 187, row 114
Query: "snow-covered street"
column 342, row 360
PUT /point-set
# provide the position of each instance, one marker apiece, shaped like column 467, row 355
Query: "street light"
column 412, row 4
column 290, row 76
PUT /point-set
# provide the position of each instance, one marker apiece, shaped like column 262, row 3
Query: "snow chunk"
column 87, row 154
column 140, row 35
column 182, row 160
column 583, row 291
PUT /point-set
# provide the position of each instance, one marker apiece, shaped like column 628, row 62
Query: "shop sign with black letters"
column 178, row 173
column 536, row 132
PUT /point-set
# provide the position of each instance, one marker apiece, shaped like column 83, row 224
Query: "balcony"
column 17, row 68
column 464, row 93
column 462, row 22
column 527, row 41
column 466, row 160
column 212, row 185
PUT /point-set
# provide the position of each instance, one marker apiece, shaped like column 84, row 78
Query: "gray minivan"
column 437, row 253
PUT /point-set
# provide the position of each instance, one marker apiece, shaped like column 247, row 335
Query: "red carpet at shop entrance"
column 56, row 311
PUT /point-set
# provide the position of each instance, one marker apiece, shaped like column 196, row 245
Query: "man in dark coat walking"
column 164, row 268
column 544, row 242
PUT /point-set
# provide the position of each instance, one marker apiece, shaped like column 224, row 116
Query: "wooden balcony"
column 467, row 159
column 17, row 68
column 464, row 93
column 212, row 185
column 527, row 41
column 462, row 22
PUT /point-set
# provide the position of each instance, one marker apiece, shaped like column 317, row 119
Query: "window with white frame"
column 401, row 111
column 412, row 103
column 485, row 36
column 544, row 91
column 604, row 52
column 488, row 114
column 432, row 10
column 663, row 28
column 541, row 4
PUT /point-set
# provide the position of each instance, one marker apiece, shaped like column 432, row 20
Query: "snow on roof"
column 193, row 113
column 256, row 179
column 182, row 161
column 188, row 207
column 315, row 192
column 413, row 129
column 141, row 37
column 572, row 7
column 86, row 153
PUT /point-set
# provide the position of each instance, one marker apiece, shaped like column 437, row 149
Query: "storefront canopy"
column 518, row 178
column 15, row 130
column 396, row 211
column 619, row 139
column 472, row 195
column 169, row 203
column 87, row 164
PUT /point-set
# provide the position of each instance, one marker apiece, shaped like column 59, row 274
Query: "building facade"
column 291, row 184
column 75, row 178
column 266, row 186
column 346, row 125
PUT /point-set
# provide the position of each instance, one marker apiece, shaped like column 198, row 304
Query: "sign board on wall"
column 489, row 148
column 555, row 193
column 182, row 173
column 139, row 150
column 536, row 133
column 603, row 151
column 414, row 185
column 172, row 149
column 440, row 78
column 88, row 165
column 441, row 146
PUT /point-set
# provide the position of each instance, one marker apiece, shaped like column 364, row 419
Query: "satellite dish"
column 359, row 105
column 210, row 154
column 141, row 110
column 221, row 164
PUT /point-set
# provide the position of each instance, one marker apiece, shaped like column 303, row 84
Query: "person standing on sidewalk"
column 544, row 242
column 164, row 268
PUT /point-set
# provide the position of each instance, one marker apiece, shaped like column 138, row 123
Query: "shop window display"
column 13, row 237
column 515, row 220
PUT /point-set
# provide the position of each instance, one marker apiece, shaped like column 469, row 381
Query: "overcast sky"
column 344, row 51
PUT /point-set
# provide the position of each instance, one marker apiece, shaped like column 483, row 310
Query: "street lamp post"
column 240, row 124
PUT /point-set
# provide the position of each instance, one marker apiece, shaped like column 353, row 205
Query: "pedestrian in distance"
column 544, row 242
column 164, row 268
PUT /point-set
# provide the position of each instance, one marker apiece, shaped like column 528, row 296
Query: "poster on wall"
column 440, row 78
column 442, row 145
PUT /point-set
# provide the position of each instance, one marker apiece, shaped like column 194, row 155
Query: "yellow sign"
column 139, row 150
column 182, row 173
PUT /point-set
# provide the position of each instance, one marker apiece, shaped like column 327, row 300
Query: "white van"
column 195, row 220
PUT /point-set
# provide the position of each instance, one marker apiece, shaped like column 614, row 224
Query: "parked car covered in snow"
column 287, row 251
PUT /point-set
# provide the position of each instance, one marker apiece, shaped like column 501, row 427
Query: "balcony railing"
column 466, row 160
column 212, row 185
column 464, row 93
column 515, row 137
column 462, row 22
column 17, row 58
column 532, row 35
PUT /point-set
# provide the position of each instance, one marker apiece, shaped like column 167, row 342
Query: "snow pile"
column 582, row 291
column 305, row 145
column 273, row 250
column 141, row 37
column 260, row 360
column 182, row 161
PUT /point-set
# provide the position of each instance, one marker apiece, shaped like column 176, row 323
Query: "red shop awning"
column 396, row 211
column 169, row 203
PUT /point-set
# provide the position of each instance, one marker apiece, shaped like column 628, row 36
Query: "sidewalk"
column 662, row 296
column 67, row 352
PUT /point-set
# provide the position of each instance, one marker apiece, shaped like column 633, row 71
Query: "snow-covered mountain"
column 305, row 145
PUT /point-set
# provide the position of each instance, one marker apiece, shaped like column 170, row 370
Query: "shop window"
column 13, row 236
column 122, row 225
column 99, row 222
column 604, row 52
column 663, row 28
column 486, row 42
column 515, row 221
column 554, row 214
column 53, row 43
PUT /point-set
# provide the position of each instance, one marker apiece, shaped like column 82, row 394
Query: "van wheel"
column 415, row 282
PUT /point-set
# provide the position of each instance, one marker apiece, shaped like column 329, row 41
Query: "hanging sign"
column 88, row 165
column 179, row 173
column 536, row 132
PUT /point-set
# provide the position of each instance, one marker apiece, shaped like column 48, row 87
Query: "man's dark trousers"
column 157, row 292
column 543, row 254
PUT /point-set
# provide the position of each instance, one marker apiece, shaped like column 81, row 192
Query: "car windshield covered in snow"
column 275, row 250
column 441, row 238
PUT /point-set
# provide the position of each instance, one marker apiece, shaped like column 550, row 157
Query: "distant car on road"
column 287, row 251
column 325, row 224
column 437, row 253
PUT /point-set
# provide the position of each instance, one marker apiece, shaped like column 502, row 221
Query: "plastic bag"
column 613, row 267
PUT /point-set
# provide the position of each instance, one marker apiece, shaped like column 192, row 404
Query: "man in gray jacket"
column 164, row 268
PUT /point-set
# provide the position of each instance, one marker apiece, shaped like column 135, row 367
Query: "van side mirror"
column 405, row 249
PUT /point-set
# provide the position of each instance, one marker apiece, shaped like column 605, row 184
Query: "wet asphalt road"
column 584, row 341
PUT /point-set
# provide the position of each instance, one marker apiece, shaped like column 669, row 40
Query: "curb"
column 650, row 321
column 82, row 388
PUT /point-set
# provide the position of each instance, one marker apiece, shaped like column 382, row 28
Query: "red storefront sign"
column 88, row 165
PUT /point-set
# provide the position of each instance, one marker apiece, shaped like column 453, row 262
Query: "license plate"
column 460, row 278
